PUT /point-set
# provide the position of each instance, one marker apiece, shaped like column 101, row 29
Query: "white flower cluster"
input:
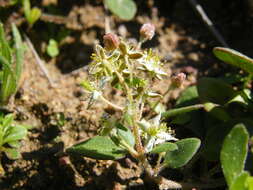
column 154, row 132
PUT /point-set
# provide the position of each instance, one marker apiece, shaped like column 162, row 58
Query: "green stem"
column 160, row 98
column 133, row 152
column 122, row 82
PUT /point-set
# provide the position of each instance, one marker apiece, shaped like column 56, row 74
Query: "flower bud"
column 177, row 81
column 111, row 41
column 147, row 31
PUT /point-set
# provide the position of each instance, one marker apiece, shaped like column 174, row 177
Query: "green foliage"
column 31, row 14
column 11, row 68
column 10, row 135
column 165, row 147
column 234, row 58
column 188, row 97
column 240, row 182
column 186, row 150
column 98, row 147
column 52, row 48
column 124, row 9
column 234, row 152
column 125, row 134
column 208, row 88
column 177, row 111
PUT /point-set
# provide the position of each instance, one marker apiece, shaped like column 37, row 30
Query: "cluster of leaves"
column 10, row 136
column 11, row 67
column 226, row 121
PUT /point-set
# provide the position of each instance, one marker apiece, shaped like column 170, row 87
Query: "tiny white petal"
column 96, row 95
column 150, row 144
column 156, row 119
column 166, row 136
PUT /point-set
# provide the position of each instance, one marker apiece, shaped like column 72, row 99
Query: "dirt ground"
column 57, row 111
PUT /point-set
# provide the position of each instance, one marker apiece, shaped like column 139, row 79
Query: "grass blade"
column 19, row 52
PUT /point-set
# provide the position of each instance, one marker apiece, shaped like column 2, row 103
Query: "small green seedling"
column 31, row 14
column 132, row 71
column 124, row 9
column 10, row 136
column 52, row 48
column 11, row 67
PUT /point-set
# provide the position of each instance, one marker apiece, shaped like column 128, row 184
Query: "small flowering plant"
column 132, row 71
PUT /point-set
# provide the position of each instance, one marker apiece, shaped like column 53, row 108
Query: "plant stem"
column 130, row 66
column 130, row 149
column 122, row 82
column 139, row 146
column 160, row 98
column 111, row 104
column 158, row 164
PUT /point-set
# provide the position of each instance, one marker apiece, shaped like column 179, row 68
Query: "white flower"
column 151, row 64
column 154, row 132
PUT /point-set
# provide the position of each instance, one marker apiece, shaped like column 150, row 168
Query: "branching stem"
column 111, row 104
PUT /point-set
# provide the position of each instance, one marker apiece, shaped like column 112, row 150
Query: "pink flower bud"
column 147, row 31
column 111, row 41
column 177, row 81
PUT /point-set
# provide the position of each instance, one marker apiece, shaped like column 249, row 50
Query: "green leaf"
column 124, row 9
column 125, row 134
column 165, row 147
column 14, row 133
column 87, row 86
column 9, row 83
column 52, row 48
column 19, row 51
column 234, row 152
column 214, row 140
column 34, row 16
column 5, row 49
column 178, row 111
column 181, row 119
column 234, row 58
column 186, row 150
column 188, row 97
column 215, row 91
column 14, row 144
column 250, row 183
column 12, row 153
column 217, row 111
column 240, row 182
column 27, row 7
column 7, row 120
column 98, row 147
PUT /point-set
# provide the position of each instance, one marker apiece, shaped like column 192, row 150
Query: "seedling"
column 132, row 71
column 10, row 136
column 52, row 48
column 11, row 67
column 32, row 15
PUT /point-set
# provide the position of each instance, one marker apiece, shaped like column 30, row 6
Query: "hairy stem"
column 111, row 104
